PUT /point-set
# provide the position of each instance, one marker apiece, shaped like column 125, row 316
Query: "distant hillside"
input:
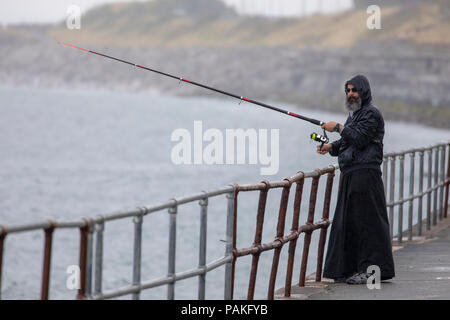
column 180, row 23
column 302, row 62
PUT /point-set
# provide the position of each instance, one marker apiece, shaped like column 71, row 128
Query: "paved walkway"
column 422, row 272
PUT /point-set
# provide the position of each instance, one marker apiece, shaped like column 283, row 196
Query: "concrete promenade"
column 422, row 269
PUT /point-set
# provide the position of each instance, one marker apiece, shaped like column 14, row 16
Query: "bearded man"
column 359, row 235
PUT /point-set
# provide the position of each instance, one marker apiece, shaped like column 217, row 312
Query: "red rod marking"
column 70, row 45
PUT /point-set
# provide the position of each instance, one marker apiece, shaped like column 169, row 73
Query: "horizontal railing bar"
column 165, row 205
column 164, row 280
column 262, row 186
column 116, row 293
column 187, row 274
column 401, row 201
column 400, row 153
column 21, row 228
column 115, row 215
column 219, row 192
column 279, row 242
column 285, row 183
column 128, row 213
column 199, row 271
column 252, row 187
column 217, row 263
column 4, row 229
column 69, row 224
column 203, row 195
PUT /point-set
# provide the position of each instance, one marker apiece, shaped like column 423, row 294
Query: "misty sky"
column 43, row 11
column 52, row 11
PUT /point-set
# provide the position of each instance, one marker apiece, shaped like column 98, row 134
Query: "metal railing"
column 91, row 229
column 91, row 240
column 280, row 238
column 91, row 266
column 438, row 178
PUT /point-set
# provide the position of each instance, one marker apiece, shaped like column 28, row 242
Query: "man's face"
column 353, row 101
column 352, row 94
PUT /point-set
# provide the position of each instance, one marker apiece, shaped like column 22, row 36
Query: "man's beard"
column 353, row 105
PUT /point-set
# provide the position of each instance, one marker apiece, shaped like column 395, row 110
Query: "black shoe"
column 340, row 280
column 358, row 278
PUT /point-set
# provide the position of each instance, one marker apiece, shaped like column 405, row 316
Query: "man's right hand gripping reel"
column 320, row 138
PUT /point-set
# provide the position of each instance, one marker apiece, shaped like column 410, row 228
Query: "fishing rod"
column 316, row 137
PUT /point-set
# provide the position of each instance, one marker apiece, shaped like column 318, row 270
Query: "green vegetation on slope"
column 194, row 23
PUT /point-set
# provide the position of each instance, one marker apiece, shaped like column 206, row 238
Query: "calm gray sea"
column 68, row 154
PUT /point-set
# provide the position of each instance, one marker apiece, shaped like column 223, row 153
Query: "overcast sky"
column 52, row 11
column 43, row 11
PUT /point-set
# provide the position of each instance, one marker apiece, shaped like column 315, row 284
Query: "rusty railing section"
column 280, row 238
column 47, row 260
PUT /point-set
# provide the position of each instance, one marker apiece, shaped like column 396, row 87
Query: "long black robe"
column 360, row 230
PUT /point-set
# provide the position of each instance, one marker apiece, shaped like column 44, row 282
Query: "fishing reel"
column 320, row 138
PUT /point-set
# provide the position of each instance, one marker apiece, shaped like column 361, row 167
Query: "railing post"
column 137, row 254
column 310, row 221
column 448, row 182
column 392, row 196
column 323, row 231
column 202, row 246
column 436, row 182
column 257, row 240
column 411, row 194
column 293, row 243
column 442, row 178
column 280, row 231
column 429, row 193
column 401, row 197
column 89, row 259
column 47, row 261
column 420, row 205
column 84, row 233
column 228, row 288
column 98, row 262
column 172, row 250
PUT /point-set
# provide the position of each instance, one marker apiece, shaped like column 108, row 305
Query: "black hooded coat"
column 359, row 234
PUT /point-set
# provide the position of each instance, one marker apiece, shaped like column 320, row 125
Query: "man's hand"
column 325, row 149
column 329, row 126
